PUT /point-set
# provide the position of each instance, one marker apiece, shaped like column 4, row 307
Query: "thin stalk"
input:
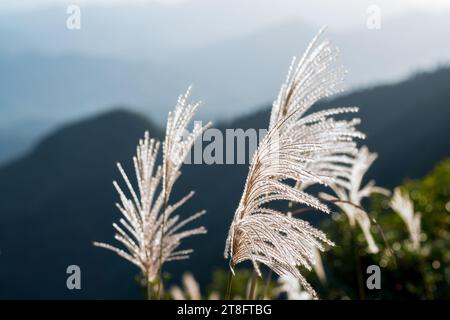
column 301, row 210
column 149, row 290
column 229, row 285
column 267, row 284
column 386, row 243
column 428, row 289
column 359, row 279
column 165, row 200
column 251, row 294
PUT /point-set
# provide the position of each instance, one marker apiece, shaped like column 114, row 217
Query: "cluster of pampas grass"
column 300, row 149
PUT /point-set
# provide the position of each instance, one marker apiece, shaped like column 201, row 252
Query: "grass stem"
column 359, row 279
column 229, row 285
column 254, row 279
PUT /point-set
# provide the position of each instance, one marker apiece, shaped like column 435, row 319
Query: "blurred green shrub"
column 405, row 273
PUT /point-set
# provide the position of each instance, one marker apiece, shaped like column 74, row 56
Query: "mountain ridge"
column 50, row 87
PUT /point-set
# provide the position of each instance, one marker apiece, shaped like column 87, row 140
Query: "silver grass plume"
column 402, row 204
column 148, row 230
column 294, row 149
column 350, row 192
column 176, row 147
column 191, row 289
column 317, row 76
column 178, row 140
column 313, row 77
column 290, row 286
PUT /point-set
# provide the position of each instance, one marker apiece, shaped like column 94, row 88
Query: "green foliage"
column 405, row 273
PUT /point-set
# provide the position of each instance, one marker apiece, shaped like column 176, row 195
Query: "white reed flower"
column 402, row 204
column 299, row 148
column 290, row 286
column 148, row 230
column 191, row 289
column 318, row 266
column 350, row 192
column 178, row 140
column 314, row 77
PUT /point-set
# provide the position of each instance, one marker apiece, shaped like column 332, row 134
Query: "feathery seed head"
column 403, row 205
column 148, row 231
column 305, row 149
column 178, row 140
column 350, row 192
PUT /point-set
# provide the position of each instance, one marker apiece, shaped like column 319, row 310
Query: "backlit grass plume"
column 350, row 192
column 178, row 140
column 177, row 144
column 148, row 230
column 402, row 204
column 316, row 76
column 313, row 77
column 191, row 289
column 291, row 287
column 298, row 150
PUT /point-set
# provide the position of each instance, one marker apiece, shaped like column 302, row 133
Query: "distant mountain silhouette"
column 59, row 198
column 50, row 75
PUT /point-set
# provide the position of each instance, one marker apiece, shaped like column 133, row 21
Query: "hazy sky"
column 337, row 14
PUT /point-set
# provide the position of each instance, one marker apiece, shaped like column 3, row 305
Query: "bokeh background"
column 73, row 102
